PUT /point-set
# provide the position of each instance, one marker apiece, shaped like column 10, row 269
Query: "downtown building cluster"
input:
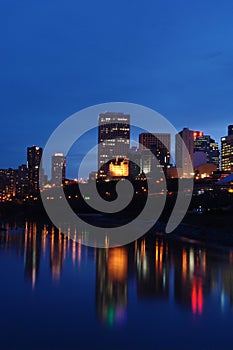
column 24, row 182
column 115, row 157
column 201, row 157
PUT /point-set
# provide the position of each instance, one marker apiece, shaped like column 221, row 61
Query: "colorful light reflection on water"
column 153, row 291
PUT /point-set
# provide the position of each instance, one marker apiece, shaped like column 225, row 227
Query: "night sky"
column 58, row 57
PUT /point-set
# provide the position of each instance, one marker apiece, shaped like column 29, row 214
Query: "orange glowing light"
column 184, row 264
column 117, row 264
column 119, row 168
column 143, row 248
column 156, row 252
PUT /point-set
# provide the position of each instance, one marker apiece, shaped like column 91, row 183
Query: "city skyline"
column 181, row 69
column 146, row 141
column 116, row 174
column 74, row 160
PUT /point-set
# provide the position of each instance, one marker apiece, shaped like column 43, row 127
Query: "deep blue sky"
column 58, row 57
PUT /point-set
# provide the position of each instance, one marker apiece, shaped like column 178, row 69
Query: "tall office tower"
column 201, row 143
column 23, row 180
column 58, row 169
column 230, row 130
column 227, row 151
column 134, row 162
column 184, row 156
column 159, row 145
column 113, row 139
column 205, row 150
column 214, row 155
column 34, row 155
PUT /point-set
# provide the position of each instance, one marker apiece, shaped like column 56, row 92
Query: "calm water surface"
column 152, row 294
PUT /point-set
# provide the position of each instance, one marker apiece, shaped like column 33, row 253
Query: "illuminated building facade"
column 206, row 145
column 34, row 155
column 113, row 139
column 58, row 169
column 197, row 134
column 214, row 154
column 119, row 168
column 8, row 183
column 227, row 151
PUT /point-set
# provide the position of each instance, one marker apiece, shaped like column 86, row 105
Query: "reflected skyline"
column 158, row 269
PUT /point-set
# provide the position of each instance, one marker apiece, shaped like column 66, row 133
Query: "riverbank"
column 209, row 227
column 206, row 228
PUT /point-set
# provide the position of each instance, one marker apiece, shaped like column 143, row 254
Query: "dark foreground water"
column 153, row 294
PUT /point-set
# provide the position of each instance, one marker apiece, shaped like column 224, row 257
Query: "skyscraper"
column 184, row 155
column 206, row 145
column 113, row 139
column 58, row 169
column 230, row 130
column 34, row 155
column 214, row 155
column 159, row 144
column 23, row 180
column 227, row 151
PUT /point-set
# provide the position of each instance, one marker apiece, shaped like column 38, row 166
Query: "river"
column 155, row 293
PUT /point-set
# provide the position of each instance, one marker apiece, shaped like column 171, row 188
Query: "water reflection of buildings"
column 57, row 253
column 157, row 268
column 152, row 270
column 227, row 283
column 165, row 269
column 191, row 281
column 32, row 250
column 37, row 242
column 161, row 269
column 111, row 285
